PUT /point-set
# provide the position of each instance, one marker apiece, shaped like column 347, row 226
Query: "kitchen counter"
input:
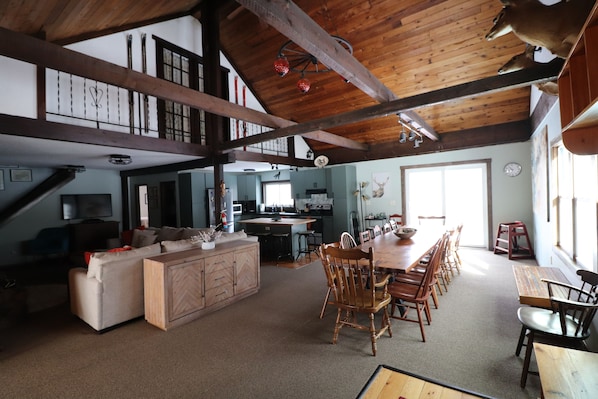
column 279, row 222
column 290, row 226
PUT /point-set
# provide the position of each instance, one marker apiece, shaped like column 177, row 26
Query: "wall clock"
column 512, row 169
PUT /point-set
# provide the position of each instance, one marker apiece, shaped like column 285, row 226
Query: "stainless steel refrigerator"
column 226, row 205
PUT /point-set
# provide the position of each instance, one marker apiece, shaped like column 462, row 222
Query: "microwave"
column 237, row 209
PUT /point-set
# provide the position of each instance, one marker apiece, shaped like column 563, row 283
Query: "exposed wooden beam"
column 286, row 17
column 29, row 49
column 41, row 129
column 491, row 84
column 273, row 159
column 511, row 132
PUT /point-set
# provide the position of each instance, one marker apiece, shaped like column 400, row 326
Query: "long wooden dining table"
column 396, row 255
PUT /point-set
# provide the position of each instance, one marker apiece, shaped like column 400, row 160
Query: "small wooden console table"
column 532, row 290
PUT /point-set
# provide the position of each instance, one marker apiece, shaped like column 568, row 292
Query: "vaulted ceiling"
column 432, row 54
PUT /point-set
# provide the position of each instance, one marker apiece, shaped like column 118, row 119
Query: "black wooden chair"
column 567, row 323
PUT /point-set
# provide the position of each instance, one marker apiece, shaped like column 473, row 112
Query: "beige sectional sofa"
column 110, row 290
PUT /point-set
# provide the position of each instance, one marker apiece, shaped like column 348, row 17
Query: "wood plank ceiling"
column 411, row 46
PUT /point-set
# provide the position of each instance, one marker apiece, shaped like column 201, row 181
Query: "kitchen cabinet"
column 249, row 188
column 578, row 91
column 307, row 180
column 183, row 286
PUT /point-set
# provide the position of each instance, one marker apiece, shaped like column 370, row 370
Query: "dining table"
column 396, row 255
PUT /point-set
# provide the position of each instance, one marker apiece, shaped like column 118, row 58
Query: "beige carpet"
column 273, row 345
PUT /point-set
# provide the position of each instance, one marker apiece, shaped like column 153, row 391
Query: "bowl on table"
column 405, row 233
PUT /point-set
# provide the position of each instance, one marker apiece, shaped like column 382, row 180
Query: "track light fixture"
column 415, row 134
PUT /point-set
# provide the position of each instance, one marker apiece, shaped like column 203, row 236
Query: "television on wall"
column 86, row 206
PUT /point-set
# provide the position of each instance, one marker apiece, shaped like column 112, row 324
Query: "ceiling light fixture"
column 119, row 159
column 415, row 133
column 293, row 58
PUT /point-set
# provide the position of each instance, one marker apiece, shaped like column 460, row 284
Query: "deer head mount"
column 526, row 60
column 553, row 27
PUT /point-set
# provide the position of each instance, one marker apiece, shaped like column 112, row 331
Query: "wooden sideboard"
column 183, row 286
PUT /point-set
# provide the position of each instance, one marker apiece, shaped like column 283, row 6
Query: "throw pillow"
column 170, row 233
column 143, row 238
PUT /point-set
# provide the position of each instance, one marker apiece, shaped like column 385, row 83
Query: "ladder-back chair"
column 356, row 290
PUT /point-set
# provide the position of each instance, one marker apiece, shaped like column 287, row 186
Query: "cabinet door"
column 246, row 270
column 186, row 289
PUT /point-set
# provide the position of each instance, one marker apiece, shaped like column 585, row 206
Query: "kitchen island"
column 267, row 227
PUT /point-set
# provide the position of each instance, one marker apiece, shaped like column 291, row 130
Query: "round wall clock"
column 512, row 169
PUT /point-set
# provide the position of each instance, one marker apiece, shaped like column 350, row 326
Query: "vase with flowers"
column 208, row 237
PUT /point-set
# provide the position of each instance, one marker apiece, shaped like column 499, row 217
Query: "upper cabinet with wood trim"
column 578, row 91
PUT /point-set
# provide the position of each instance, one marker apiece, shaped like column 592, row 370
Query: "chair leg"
column 325, row 303
column 520, row 342
column 435, row 297
column 420, row 319
column 528, row 355
column 386, row 320
column 337, row 326
column 373, row 333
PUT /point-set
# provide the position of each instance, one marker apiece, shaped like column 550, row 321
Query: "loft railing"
column 80, row 101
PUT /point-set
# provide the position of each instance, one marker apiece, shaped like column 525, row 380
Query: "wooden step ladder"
column 508, row 240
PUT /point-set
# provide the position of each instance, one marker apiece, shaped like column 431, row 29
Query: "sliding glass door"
column 457, row 191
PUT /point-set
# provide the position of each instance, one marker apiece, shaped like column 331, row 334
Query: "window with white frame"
column 574, row 205
column 277, row 193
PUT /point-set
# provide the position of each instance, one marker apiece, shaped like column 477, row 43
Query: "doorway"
column 142, row 205
column 168, row 203
column 460, row 192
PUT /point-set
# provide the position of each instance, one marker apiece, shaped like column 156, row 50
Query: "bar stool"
column 307, row 243
column 282, row 247
column 264, row 239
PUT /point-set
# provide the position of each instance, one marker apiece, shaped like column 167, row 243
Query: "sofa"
column 110, row 290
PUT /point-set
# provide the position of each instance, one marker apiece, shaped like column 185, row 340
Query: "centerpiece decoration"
column 208, row 237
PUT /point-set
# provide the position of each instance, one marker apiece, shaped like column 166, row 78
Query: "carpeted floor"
column 273, row 345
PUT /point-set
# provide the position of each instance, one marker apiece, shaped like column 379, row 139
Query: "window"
column 574, row 205
column 458, row 191
column 180, row 122
column 277, row 193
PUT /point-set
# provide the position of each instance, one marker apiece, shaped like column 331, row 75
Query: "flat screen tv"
column 86, row 206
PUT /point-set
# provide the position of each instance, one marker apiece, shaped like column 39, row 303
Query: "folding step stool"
column 507, row 240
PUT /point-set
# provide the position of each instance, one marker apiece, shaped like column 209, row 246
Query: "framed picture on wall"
column 20, row 175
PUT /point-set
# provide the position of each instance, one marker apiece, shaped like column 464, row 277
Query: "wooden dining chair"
column 417, row 273
column 453, row 261
column 432, row 220
column 364, row 236
column 397, row 218
column 356, row 290
column 386, row 228
column 567, row 323
column 377, row 231
column 347, row 241
column 329, row 283
column 410, row 296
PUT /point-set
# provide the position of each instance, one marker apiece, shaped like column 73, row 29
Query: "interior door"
column 168, row 203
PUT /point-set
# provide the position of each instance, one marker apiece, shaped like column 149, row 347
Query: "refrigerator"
column 226, row 205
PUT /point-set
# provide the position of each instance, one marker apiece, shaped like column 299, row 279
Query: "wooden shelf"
column 578, row 91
